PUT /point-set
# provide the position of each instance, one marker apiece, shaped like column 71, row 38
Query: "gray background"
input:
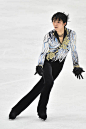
column 23, row 24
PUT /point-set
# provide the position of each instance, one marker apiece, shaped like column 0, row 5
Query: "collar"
column 56, row 34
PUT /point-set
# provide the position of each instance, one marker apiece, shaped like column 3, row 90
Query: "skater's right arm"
column 45, row 48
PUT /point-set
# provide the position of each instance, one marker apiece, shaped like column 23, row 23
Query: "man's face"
column 58, row 25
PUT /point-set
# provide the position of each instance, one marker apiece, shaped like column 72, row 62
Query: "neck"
column 60, row 32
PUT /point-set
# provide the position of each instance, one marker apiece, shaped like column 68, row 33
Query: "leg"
column 51, row 70
column 48, row 79
column 27, row 99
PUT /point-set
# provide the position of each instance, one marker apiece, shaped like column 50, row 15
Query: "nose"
column 56, row 23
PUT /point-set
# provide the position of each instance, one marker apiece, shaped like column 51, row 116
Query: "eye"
column 56, row 21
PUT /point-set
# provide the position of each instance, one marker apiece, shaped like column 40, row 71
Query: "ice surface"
column 23, row 24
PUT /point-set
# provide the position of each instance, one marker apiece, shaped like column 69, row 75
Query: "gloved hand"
column 77, row 71
column 39, row 70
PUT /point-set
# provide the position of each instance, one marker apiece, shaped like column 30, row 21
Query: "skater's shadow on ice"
column 26, row 117
column 68, row 118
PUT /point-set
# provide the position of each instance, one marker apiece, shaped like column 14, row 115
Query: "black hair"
column 60, row 16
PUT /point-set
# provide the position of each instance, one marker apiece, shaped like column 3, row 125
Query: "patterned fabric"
column 53, row 50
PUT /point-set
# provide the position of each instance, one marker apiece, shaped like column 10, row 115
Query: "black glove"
column 39, row 70
column 77, row 71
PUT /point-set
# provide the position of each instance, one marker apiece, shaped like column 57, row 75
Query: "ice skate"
column 42, row 113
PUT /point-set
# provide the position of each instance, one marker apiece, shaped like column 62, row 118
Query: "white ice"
column 23, row 24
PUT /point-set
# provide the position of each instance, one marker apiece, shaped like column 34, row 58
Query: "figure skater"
column 56, row 45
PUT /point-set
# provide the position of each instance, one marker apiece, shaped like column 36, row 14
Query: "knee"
column 49, row 82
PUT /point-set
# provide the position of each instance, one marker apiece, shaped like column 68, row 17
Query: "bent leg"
column 51, row 73
column 49, row 81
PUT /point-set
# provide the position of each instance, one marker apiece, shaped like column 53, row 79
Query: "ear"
column 64, row 23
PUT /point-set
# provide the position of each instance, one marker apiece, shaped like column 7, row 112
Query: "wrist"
column 41, row 65
column 77, row 66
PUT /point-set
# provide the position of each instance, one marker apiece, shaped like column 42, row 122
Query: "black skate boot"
column 13, row 114
column 42, row 113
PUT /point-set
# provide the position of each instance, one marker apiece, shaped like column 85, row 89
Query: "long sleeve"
column 73, row 50
column 45, row 48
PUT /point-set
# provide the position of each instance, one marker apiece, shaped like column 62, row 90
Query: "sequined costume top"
column 53, row 50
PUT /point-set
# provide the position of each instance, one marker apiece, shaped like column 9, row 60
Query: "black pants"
column 43, row 87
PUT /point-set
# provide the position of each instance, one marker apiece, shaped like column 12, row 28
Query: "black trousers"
column 43, row 87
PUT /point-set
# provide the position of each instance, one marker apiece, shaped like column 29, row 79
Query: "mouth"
column 56, row 27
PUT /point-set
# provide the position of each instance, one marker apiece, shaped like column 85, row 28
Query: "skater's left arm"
column 74, row 53
column 77, row 70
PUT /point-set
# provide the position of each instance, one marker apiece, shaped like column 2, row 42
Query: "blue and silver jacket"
column 53, row 50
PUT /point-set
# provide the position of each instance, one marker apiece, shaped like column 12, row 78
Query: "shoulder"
column 71, row 31
column 49, row 34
